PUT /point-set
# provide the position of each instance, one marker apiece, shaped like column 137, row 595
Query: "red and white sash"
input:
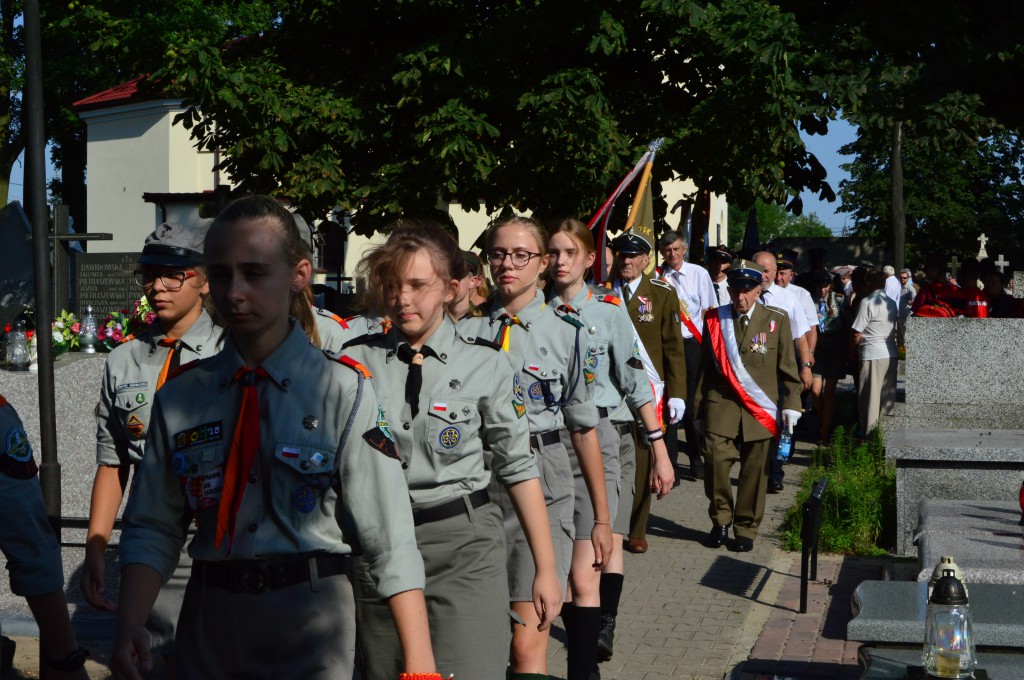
column 725, row 348
column 683, row 316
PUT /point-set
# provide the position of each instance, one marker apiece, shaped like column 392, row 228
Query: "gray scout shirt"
column 27, row 541
column 335, row 331
column 614, row 360
column 321, row 427
column 466, row 404
column 542, row 347
column 129, row 383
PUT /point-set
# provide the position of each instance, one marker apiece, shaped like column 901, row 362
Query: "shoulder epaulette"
column 175, row 372
column 777, row 310
column 610, row 299
column 661, row 283
column 330, row 315
column 346, row 360
column 362, row 339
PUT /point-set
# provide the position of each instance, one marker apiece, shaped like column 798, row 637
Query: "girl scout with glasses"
column 547, row 351
column 618, row 375
column 448, row 400
column 283, row 457
column 174, row 282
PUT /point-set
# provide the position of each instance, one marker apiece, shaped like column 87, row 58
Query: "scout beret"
column 174, row 245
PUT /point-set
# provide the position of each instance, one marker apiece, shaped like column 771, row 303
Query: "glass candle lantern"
column 948, row 636
column 87, row 335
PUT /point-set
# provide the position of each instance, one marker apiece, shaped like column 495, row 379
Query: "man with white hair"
column 908, row 291
column 892, row 284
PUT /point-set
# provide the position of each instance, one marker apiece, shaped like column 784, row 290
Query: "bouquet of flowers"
column 143, row 312
column 65, row 332
column 121, row 326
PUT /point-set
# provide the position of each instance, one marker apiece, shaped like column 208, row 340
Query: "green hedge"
column 858, row 508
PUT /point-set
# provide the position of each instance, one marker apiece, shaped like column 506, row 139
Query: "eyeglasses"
column 904, row 277
column 172, row 281
column 520, row 258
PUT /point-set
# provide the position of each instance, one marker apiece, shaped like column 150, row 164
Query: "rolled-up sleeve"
column 375, row 500
column 111, row 443
column 28, row 542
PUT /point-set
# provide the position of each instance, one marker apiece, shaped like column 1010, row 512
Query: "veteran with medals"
column 746, row 361
column 653, row 307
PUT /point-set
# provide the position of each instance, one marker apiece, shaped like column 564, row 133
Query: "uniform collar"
column 442, row 341
column 198, row 333
column 283, row 364
column 533, row 309
column 577, row 302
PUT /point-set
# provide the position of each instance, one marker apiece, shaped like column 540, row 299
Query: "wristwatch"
column 70, row 663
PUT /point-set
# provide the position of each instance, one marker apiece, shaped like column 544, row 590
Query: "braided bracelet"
column 655, row 436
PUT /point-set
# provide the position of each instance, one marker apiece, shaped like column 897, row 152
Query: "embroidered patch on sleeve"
column 377, row 438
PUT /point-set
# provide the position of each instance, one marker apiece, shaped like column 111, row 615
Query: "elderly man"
column 777, row 296
column 653, row 308
column 908, row 291
column 696, row 294
column 892, row 284
column 746, row 362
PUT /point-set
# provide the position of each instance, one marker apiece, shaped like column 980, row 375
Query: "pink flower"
column 116, row 335
column 76, row 327
column 150, row 317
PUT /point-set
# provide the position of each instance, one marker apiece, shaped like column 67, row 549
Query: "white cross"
column 1001, row 263
column 954, row 266
column 982, row 253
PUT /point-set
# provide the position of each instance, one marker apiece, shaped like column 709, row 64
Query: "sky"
column 826, row 148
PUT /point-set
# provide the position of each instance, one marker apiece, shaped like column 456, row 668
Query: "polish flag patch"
column 289, row 452
column 440, row 408
column 533, row 367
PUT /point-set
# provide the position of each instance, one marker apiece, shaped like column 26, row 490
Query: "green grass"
column 858, row 508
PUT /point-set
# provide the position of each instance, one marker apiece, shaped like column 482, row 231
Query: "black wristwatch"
column 70, row 663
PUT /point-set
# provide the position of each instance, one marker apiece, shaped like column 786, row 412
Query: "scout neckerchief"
column 726, row 352
column 684, row 313
column 414, row 379
column 245, row 445
column 172, row 361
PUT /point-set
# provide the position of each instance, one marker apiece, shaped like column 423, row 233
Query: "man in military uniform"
column 653, row 308
column 747, row 360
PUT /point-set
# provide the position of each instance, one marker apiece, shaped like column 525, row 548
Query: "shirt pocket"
column 451, row 422
column 201, row 470
column 132, row 408
column 543, row 382
column 595, row 364
column 302, row 476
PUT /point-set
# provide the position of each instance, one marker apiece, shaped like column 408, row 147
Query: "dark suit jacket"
column 716, row 403
column 661, row 337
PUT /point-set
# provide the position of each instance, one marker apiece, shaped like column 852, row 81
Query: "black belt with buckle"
column 623, row 428
column 257, row 576
column 539, row 441
column 602, row 411
column 452, row 508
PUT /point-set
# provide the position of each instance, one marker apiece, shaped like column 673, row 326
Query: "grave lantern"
column 88, row 335
column 948, row 635
column 17, row 347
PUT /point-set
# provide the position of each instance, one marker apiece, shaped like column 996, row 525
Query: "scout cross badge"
column 645, row 312
column 758, row 343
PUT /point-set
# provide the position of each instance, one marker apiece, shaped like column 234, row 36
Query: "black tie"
column 763, row 301
column 414, row 381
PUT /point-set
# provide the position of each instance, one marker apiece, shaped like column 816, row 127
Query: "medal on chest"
column 758, row 343
column 645, row 312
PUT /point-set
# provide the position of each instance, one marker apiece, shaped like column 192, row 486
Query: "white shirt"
column 892, row 288
column 777, row 296
column 722, row 289
column 876, row 322
column 803, row 296
column 696, row 293
column 907, row 295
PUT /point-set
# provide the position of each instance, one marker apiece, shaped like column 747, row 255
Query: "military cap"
column 721, row 253
column 745, row 274
column 786, row 259
column 174, row 245
column 631, row 244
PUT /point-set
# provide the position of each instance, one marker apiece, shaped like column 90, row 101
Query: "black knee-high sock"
column 528, row 676
column 586, row 622
column 611, row 591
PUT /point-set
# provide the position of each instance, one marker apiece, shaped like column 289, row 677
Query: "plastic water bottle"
column 785, row 446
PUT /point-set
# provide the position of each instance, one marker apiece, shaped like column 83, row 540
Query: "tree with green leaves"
column 12, row 62
column 774, row 221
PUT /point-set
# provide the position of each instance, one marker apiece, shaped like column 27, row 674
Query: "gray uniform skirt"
column 306, row 630
column 627, row 483
column 583, row 509
column 557, row 482
column 467, row 601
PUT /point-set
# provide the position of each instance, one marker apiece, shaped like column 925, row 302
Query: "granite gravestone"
column 17, row 281
column 105, row 281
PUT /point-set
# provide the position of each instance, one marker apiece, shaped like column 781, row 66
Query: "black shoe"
column 774, row 487
column 743, row 544
column 595, row 674
column 697, row 468
column 717, row 536
column 605, row 638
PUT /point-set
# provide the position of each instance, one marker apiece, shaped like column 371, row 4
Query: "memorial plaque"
column 17, row 280
column 104, row 280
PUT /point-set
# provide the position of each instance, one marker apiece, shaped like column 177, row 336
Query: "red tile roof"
column 121, row 94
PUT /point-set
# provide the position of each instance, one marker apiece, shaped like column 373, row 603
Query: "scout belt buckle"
column 253, row 579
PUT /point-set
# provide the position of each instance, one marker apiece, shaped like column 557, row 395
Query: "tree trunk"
column 899, row 217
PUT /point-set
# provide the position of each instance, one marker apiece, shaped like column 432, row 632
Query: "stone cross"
column 1002, row 264
column 954, row 266
column 982, row 253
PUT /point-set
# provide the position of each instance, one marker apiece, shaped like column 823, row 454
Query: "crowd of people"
column 421, row 490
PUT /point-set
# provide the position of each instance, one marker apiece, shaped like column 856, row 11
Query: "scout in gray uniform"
column 547, row 351
column 618, row 374
column 283, row 457
column 32, row 551
column 448, row 399
column 172, row 277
